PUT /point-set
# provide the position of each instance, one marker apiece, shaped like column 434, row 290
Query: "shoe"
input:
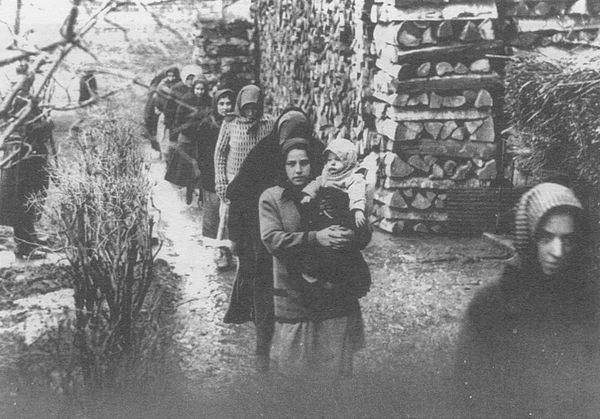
column 224, row 259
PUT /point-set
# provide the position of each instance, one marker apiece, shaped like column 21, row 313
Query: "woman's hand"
column 335, row 237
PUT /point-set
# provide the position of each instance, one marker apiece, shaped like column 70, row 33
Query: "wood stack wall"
column 312, row 56
column 560, row 23
column 434, row 102
column 420, row 80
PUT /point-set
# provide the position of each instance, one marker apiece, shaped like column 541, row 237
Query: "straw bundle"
column 555, row 105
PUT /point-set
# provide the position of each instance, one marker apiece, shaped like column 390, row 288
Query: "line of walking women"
column 295, row 214
column 305, row 310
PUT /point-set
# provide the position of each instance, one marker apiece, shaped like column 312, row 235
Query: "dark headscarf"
column 293, row 123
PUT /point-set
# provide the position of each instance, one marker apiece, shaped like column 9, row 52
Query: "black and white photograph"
column 299, row 209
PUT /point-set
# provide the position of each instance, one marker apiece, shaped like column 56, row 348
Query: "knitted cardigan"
column 233, row 146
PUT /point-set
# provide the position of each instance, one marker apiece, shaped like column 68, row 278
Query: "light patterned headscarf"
column 346, row 151
column 531, row 208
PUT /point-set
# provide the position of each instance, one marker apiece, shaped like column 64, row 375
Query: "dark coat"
column 286, row 236
column 180, row 169
column 29, row 176
column 260, row 171
column 179, row 90
column 529, row 345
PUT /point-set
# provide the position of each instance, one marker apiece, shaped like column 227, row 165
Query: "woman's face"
column 250, row 110
column 199, row 89
column 556, row 242
column 170, row 76
column 297, row 167
column 224, row 105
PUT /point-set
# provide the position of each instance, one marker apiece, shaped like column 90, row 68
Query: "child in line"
column 340, row 197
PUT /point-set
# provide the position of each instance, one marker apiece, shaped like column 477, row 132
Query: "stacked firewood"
column 312, row 57
column 434, row 101
column 562, row 23
column 225, row 48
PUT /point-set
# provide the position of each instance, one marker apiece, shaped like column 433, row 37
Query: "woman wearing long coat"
column 252, row 297
column 318, row 329
column 182, row 169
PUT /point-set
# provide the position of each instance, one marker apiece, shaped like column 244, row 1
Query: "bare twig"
column 119, row 27
column 137, row 82
column 94, row 99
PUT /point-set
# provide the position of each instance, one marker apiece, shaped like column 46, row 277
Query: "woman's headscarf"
column 190, row 70
column 532, row 207
column 293, row 123
column 250, row 94
column 346, row 151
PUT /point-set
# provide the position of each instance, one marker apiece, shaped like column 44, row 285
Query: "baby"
column 340, row 195
column 341, row 172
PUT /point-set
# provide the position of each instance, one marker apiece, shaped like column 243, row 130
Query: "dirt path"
column 212, row 352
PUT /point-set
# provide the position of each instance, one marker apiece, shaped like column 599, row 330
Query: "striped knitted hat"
column 533, row 205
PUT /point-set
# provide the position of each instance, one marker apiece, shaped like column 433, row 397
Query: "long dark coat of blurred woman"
column 154, row 117
column 252, row 297
column 182, row 169
column 529, row 343
column 29, row 176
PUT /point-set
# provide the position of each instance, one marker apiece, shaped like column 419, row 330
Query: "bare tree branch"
column 119, row 27
column 27, row 78
column 106, row 7
column 136, row 81
column 94, row 99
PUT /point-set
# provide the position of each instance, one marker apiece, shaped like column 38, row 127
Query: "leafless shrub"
column 101, row 208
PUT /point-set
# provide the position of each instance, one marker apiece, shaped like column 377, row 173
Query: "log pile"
column 434, row 100
column 562, row 23
column 312, row 56
column 223, row 47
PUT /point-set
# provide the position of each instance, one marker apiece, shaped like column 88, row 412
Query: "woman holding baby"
column 318, row 323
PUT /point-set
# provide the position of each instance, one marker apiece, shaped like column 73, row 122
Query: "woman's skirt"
column 180, row 167
column 318, row 350
column 210, row 214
